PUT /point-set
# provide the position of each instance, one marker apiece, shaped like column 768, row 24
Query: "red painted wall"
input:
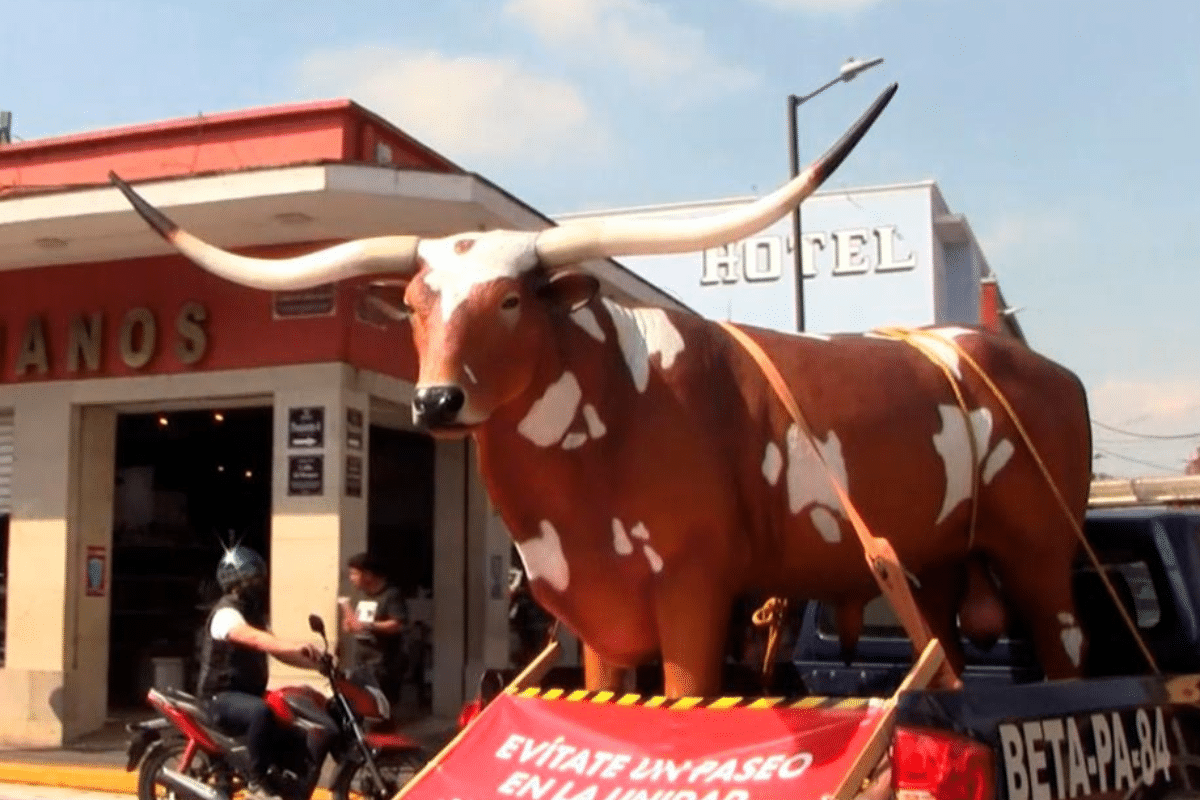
column 336, row 130
column 241, row 330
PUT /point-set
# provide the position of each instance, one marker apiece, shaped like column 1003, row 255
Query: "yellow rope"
column 1062, row 503
column 772, row 613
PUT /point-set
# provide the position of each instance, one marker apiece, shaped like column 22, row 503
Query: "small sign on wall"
column 306, row 475
column 354, row 476
column 95, row 571
column 354, row 429
column 306, row 426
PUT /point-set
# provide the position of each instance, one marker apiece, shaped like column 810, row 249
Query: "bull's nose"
column 434, row 406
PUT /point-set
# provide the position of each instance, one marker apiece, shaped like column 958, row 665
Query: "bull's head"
column 481, row 304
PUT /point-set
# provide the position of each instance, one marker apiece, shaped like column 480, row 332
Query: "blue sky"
column 1064, row 130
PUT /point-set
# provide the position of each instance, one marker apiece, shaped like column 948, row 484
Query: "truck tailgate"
column 589, row 746
column 1117, row 737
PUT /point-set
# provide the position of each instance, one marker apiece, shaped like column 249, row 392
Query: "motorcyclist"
column 233, row 659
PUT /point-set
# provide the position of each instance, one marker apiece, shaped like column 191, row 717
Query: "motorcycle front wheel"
column 396, row 768
column 150, row 785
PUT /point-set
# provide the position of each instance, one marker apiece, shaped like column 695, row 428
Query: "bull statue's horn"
column 610, row 237
column 360, row 257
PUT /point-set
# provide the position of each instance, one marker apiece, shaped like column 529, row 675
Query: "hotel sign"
column 849, row 251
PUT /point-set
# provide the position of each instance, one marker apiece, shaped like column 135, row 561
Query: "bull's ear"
column 381, row 302
column 569, row 290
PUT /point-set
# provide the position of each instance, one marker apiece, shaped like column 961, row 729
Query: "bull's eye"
column 510, row 302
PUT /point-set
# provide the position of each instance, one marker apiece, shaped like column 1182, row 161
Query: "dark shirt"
column 382, row 654
column 229, row 667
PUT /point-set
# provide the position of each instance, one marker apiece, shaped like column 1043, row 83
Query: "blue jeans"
column 248, row 716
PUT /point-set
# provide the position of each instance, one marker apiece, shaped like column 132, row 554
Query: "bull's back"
column 882, row 412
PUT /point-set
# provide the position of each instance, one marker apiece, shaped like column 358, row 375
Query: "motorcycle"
column 185, row 753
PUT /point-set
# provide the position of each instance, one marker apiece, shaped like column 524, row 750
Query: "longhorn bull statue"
column 649, row 474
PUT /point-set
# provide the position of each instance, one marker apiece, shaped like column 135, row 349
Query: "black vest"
column 229, row 667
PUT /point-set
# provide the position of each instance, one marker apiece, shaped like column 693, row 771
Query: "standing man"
column 376, row 617
column 233, row 660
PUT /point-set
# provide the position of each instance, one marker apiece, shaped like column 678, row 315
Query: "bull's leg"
column 601, row 676
column 1041, row 592
column 938, row 597
column 693, row 620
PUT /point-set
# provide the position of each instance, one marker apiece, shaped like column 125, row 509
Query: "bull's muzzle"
column 437, row 406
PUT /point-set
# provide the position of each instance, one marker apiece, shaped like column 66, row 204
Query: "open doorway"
column 400, row 533
column 187, row 483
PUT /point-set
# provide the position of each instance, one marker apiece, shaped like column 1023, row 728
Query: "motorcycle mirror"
column 316, row 624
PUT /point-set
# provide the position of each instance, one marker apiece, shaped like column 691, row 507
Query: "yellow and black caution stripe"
column 684, row 703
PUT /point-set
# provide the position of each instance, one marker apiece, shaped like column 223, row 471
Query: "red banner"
column 579, row 750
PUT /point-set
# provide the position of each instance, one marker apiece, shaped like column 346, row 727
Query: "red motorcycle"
column 184, row 752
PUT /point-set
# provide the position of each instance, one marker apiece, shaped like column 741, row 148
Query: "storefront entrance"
column 400, row 531
column 187, row 483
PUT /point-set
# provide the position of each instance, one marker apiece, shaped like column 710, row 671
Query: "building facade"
column 873, row 256
column 150, row 413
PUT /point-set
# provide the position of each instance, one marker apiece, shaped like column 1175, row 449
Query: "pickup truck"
column 1119, row 731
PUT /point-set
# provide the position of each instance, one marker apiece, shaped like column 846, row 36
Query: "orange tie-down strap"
column 881, row 558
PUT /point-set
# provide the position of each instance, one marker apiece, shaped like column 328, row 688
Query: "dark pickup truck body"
column 1121, row 731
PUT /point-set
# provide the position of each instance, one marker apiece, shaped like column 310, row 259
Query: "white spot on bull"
column 772, row 463
column 495, row 254
column 1066, row 618
column 595, row 425
column 574, row 440
column 585, row 319
column 955, row 448
column 621, row 541
column 551, row 414
column 543, row 557
column 656, row 562
column 826, row 524
column 807, row 481
column 641, row 333
column 639, row 532
column 996, row 459
column 470, row 374
column 1072, row 641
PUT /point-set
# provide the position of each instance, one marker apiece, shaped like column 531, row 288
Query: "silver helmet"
column 238, row 566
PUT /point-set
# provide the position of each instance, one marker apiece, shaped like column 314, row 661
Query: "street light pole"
column 852, row 68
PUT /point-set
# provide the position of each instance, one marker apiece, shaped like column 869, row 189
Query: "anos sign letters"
column 850, row 251
column 33, row 349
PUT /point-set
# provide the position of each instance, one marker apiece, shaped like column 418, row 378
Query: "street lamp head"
column 854, row 66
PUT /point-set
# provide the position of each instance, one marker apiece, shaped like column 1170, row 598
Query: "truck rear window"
column 1132, row 580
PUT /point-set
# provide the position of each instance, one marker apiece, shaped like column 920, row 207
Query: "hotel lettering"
column 852, row 251
column 89, row 344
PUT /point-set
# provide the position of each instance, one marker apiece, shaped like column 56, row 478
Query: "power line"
column 1165, row 436
column 1130, row 459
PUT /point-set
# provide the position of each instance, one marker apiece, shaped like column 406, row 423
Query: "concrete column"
column 313, row 534
column 32, row 703
column 488, row 552
column 88, row 613
column 452, row 466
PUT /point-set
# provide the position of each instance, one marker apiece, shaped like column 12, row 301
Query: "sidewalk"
column 96, row 762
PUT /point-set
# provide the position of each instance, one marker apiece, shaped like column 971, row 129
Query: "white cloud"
column 1154, row 405
column 636, row 35
column 470, row 108
column 821, row 6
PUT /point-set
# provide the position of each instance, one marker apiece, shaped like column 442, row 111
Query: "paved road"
column 20, row 791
